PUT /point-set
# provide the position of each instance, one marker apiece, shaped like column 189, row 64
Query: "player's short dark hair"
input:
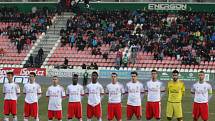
column 201, row 72
column 55, row 77
column 33, row 73
column 94, row 72
column 154, row 70
column 134, row 72
column 175, row 72
column 114, row 74
column 10, row 72
column 75, row 75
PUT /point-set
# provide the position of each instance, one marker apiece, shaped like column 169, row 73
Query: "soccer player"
column 115, row 91
column 32, row 91
column 75, row 92
column 154, row 89
column 135, row 91
column 11, row 92
column 202, row 93
column 175, row 91
column 94, row 90
column 55, row 94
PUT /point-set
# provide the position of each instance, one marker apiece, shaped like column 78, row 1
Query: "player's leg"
column 157, row 110
column 6, row 110
column 149, row 111
column 110, row 112
column 129, row 112
column 98, row 112
column 204, row 111
column 196, row 111
column 70, row 111
column 50, row 115
column 34, row 111
column 14, row 109
column 177, row 109
column 58, row 115
column 169, row 111
column 78, row 111
column 26, row 111
column 89, row 112
column 138, row 112
column 118, row 112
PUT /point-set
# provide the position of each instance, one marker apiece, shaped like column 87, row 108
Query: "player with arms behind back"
column 94, row 90
column 202, row 94
column 75, row 92
column 32, row 91
column 175, row 89
column 55, row 94
column 11, row 92
column 154, row 90
column 135, row 91
column 115, row 91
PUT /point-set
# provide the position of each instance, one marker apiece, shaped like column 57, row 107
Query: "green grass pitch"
column 43, row 102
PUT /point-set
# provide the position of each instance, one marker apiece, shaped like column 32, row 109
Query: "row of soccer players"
column 134, row 90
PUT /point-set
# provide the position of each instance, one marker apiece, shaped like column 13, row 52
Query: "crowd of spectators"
column 184, row 35
column 24, row 27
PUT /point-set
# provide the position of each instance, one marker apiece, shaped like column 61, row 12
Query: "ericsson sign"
column 167, row 6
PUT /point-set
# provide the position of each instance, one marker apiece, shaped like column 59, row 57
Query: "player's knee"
column 169, row 118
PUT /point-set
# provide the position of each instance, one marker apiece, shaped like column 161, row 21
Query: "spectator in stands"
column 85, row 78
column 31, row 61
column 83, row 66
column 125, row 60
column 65, row 64
column 2, row 52
column 91, row 67
column 19, row 47
column 41, row 53
column 95, row 66
column 98, row 52
column 119, row 58
column 105, row 55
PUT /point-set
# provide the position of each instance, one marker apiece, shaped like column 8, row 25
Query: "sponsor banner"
column 186, row 76
column 24, row 71
column 68, row 72
column 167, row 6
column 16, row 79
column 125, row 74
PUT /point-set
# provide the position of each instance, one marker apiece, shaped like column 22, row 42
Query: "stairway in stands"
column 52, row 37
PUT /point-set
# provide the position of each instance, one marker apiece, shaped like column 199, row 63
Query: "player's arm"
column 3, row 91
column 17, row 90
column 210, row 91
column 192, row 91
column 126, row 90
column 47, row 94
column 102, row 92
column 82, row 93
column 142, row 90
column 163, row 90
column 67, row 92
column 183, row 88
column 87, row 91
column 39, row 91
column 63, row 93
column 122, row 91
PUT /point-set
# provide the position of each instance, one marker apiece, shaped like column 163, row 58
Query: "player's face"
column 55, row 81
column 114, row 79
column 10, row 77
column 94, row 78
column 201, row 76
column 154, row 75
column 75, row 80
column 134, row 77
column 175, row 76
column 31, row 78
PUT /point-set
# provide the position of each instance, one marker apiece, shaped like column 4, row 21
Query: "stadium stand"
column 19, row 31
column 162, row 40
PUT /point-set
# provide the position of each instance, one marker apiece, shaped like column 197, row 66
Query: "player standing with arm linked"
column 32, row 91
column 94, row 91
column 55, row 94
column 11, row 92
column 202, row 93
column 75, row 92
column 154, row 90
column 115, row 91
column 175, row 91
column 135, row 90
